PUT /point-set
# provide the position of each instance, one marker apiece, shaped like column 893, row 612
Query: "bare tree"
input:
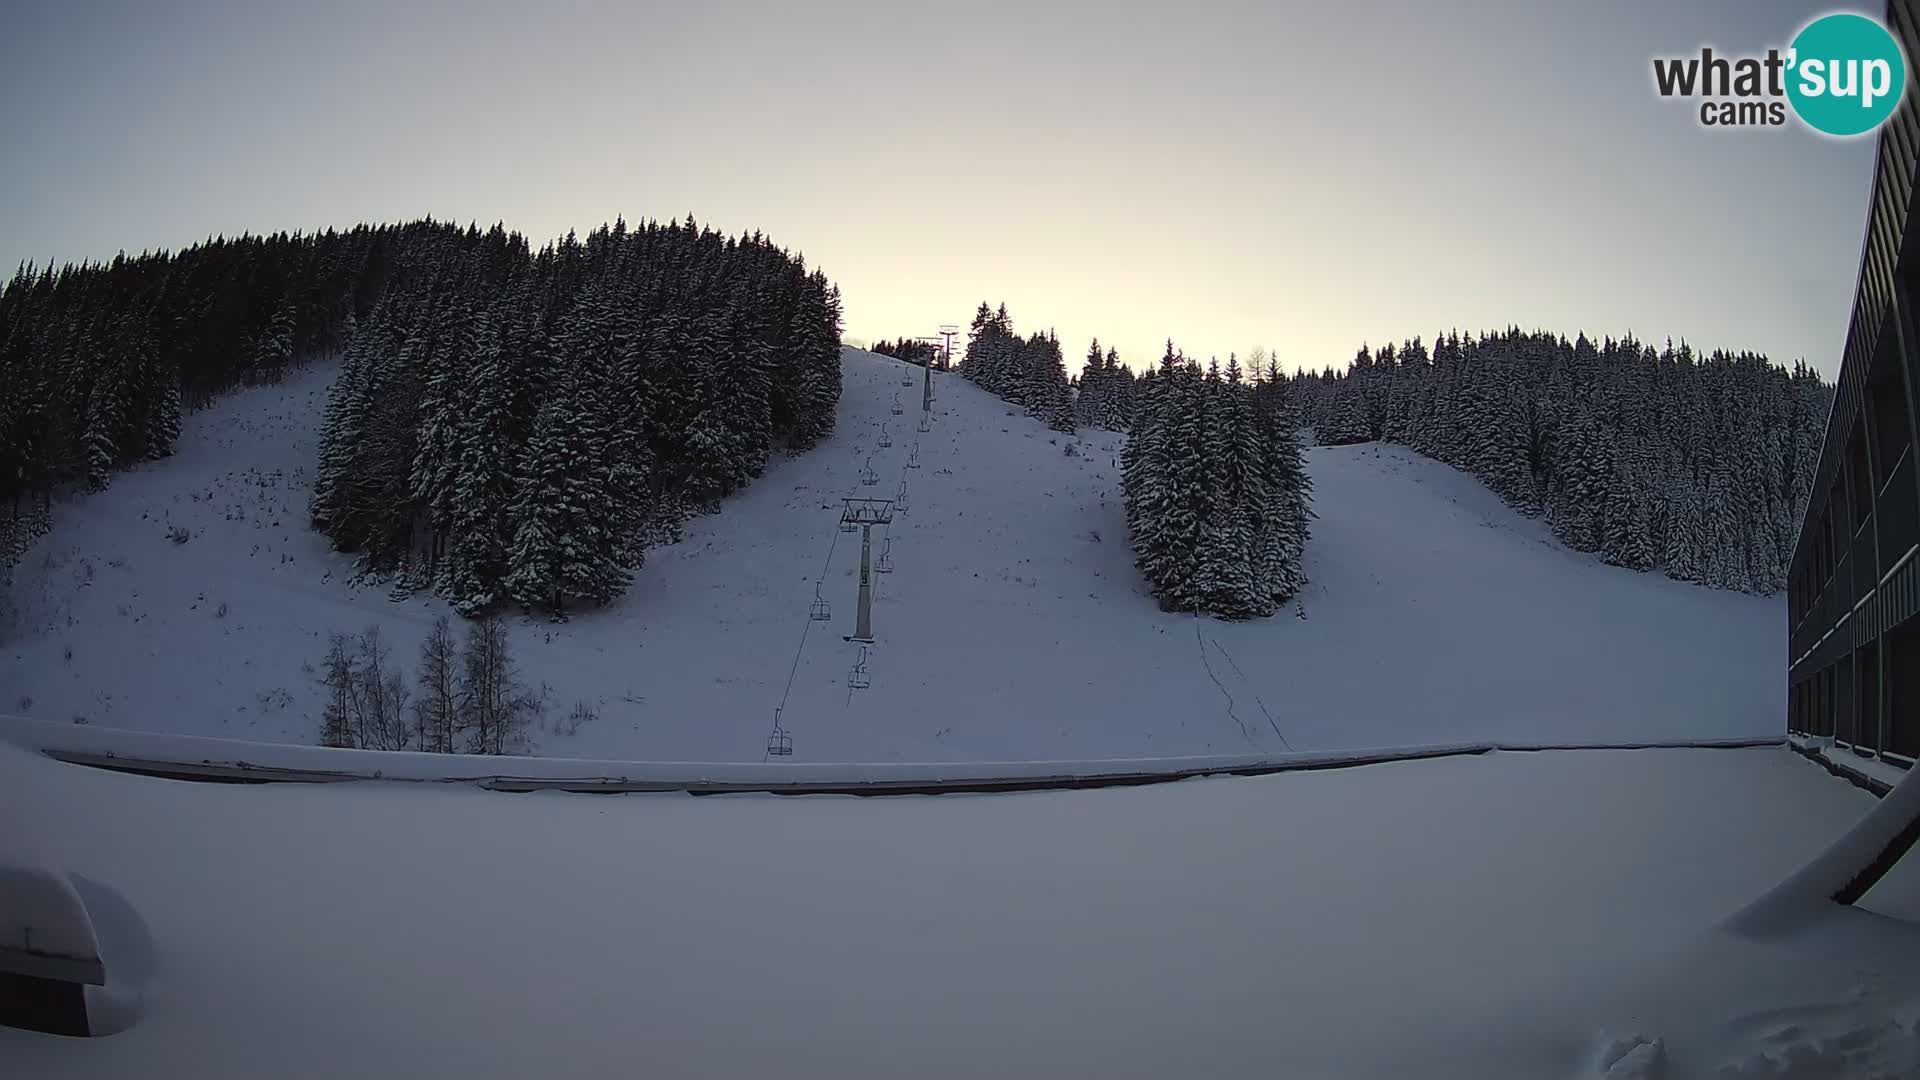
column 437, row 712
column 381, row 719
column 494, row 707
column 336, row 721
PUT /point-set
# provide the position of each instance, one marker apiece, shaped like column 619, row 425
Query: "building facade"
column 1854, row 591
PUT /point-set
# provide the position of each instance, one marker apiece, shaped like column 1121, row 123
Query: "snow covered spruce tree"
column 1103, row 397
column 1216, row 491
column 1651, row 459
column 712, row 353
column 1029, row 372
column 99, row 360
column 517, row 427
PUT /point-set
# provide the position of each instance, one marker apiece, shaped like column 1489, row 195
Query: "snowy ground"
column 1014, row 627
column 1498, row 916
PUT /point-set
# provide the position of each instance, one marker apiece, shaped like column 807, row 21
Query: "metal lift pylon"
column 865, row 513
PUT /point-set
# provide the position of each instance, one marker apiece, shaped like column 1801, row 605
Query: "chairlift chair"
column 858, row 679
column 819, row 610
column 780, row 743
column 885, row 564
column 886, row 437
column 867, row 475
column 900, row 498
column 897, row 407
column 926, row 422
column 913, row 459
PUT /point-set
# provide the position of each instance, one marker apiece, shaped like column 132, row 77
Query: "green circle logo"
column 1846, row 74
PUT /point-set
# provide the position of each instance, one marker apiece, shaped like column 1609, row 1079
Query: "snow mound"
column 191, row 597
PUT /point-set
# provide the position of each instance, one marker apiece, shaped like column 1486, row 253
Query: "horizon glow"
column 1303, row 178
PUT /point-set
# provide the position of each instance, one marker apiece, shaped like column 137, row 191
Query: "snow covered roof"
column 1496, row 915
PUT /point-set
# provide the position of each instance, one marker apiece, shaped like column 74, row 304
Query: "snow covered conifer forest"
column 1104, row 393
column 908, row 349
column 1653, row 459
column 1216, row 490
column 506, row 426
column 1029, row 371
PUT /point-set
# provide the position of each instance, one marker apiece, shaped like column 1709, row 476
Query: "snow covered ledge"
column 192, row 757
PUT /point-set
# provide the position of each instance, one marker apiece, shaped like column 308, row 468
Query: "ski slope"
column 1013, row 627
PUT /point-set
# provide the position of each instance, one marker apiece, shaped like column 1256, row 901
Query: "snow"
column 1015, row 627
column 1859, row 763
column 198, row 756
column 1790, row 902
column 43, row 919
column 1540, row 915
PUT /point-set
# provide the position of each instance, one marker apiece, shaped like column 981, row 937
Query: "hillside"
column 1014, row 626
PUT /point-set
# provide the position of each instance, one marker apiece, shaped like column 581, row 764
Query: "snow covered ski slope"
column 1012, row 627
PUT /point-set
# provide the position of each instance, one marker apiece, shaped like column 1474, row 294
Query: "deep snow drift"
column 1014, row 626
column 1498, row 916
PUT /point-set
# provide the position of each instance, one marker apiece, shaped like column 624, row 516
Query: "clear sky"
column 1299, row 176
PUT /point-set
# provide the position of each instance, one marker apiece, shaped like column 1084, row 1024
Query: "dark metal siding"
column 1853, row 615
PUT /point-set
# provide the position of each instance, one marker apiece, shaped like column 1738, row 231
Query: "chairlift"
column 886, row 437
column 885, row 565
column 900, row 499
column 926, row 422
column 780, row 743
column 897, row 407
column 913, row 459
column 858, row 679
column 867, row 475
column 819, row 610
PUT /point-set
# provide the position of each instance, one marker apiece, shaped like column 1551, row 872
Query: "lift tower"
column 865, row 514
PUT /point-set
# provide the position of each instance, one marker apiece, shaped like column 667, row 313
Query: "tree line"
column 921, row 353
column 98, row 360
column 516, row 429
column 467, row 699
column 1104, row 391
column 1217, row 493
column 1030, row 372
column 1653, row 458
